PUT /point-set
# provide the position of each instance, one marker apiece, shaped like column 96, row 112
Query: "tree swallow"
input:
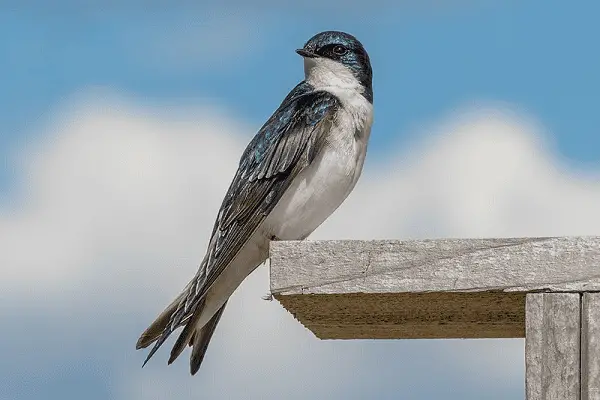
column 296, row 171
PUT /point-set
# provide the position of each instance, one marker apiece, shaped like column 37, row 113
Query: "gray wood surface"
column 457, row 288
column 590, row 347
column 452, row 288
column 449, row 265
column 552, row 346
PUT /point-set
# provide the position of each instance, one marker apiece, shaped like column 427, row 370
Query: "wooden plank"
column 449, row 265
column 410, row 315
column 590, row 347
column 552, row 346
column 534, row 343
column 469, row 288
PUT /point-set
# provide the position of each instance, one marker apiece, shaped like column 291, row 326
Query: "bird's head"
column 337, row 59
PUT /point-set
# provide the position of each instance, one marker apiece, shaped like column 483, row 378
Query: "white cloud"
column 120, row 201
column 108, row 183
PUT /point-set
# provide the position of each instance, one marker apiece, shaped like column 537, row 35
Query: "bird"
column 296, row 171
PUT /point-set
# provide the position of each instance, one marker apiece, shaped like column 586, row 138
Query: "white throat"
column 335, row 78
column 323, row 73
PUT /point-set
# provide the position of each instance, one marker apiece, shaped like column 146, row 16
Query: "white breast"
column 320, row 189
column 313, row 195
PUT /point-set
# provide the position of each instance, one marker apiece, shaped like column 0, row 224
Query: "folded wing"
column 285, row 145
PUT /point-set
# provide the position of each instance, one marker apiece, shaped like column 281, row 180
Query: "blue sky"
column 534, row 54
column 539, row 57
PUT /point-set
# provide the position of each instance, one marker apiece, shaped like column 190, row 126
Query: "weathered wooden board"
column 451, row 288
column 410, row 315
column 552, row 346
column 448, row 265
column 538, row 288
column 590, row 346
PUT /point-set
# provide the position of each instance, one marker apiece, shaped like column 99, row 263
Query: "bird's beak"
column 306, row 53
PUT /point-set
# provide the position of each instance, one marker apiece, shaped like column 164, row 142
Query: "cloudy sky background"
column 120, row 129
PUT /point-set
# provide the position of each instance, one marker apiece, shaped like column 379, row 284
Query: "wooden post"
column 538, row 288
column 552, row 352
column 590, row 346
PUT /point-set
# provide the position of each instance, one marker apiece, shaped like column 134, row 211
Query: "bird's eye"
column 339, row 50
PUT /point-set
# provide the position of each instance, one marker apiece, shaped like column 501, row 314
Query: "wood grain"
column 453, row 288
column 590, row 347
column 448, row 265
column 552, row 346
column 410, row 315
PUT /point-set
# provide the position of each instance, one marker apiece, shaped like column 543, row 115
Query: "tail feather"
column 164, row 325
column 201, row 339
column 155, row 330
column 186, row 335
column 182, row 312
column 197, row 338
